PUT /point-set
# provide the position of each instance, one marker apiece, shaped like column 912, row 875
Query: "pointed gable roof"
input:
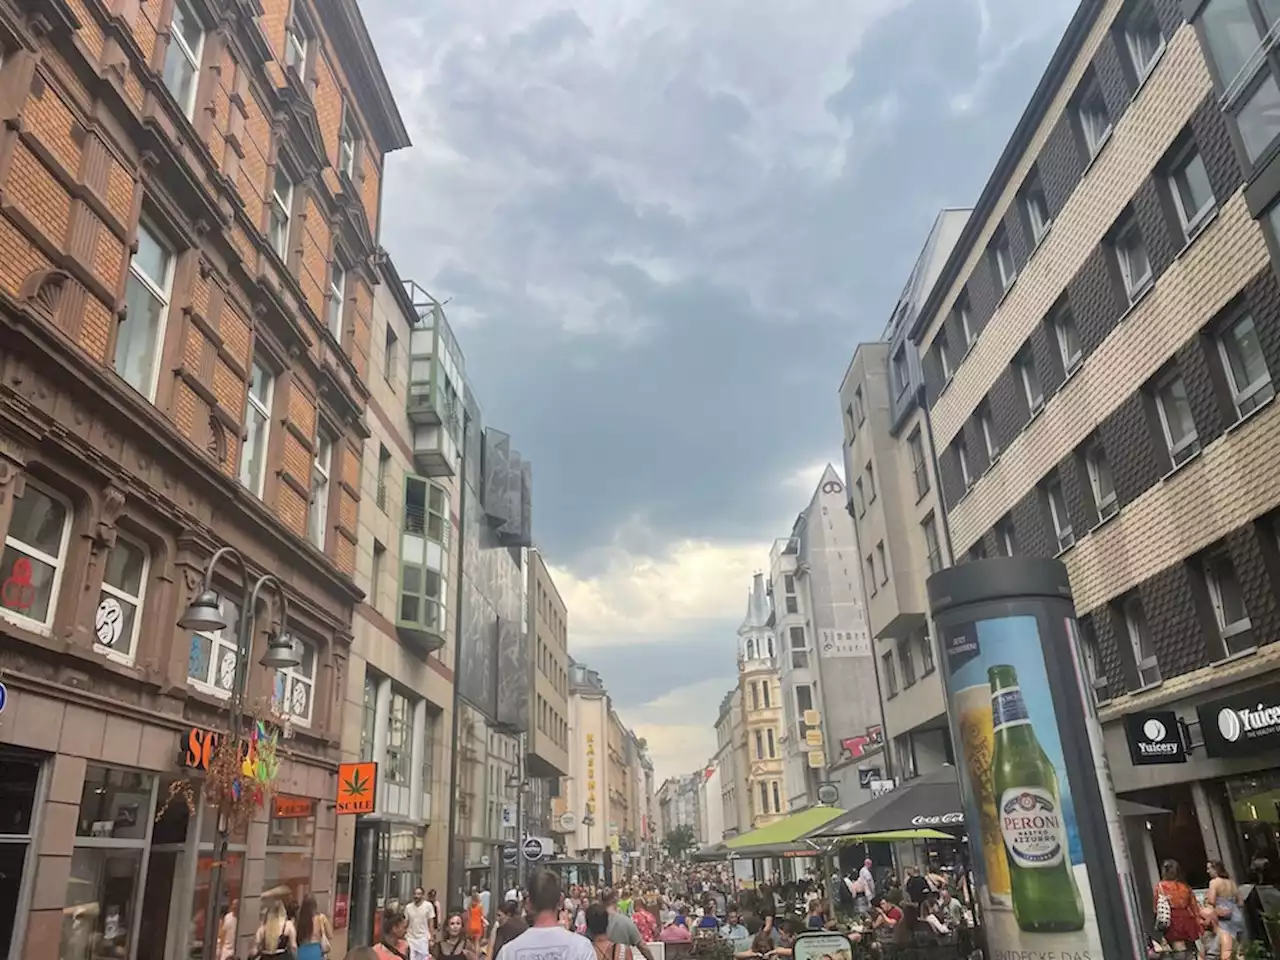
column 757, row 607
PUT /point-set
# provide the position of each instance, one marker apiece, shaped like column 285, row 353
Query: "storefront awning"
column 930, row 801
column 783, row 833
column 896, row 836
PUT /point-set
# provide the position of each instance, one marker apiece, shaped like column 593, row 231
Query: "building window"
column 1246, row 368
column 1144, row 655
column 1029, row 377
column 425, row 509
column 257, row 427
column 919, row 466
column 1095, row 122
column 943, row 348
column 1101, row 482
column 901, row 373
column 295, row 686
column 211, row 659
column 799, row 649
column 141, row 334
column 1227, row 600
column 118, row 618
column 1143, row 38
column 35, row 553
column 368, row 716
column 295, row 49
column 857, row 406
column 1232, row 36
column 884, row 565
column 1233, row 32
column 389, row 354
column 788, row 583
column 1067, row 336
column 755, row 696
column 347, row 145
column 859, row 498
column 791, row 604
column 872, row 585
column 871, row 483
column 1192, row 192
column 851, row 426
column 321, row 466
column 987, row 431
column 1002, row 259
column 759, row 745
column 399, row 738
column 1058, row 514
column 1037, row 210
column 764, row 797
column 1258, row 118
column 765, row 689
column 281, row 211
column 375, row 572
column 926, row 655
column 384, row 461
column 962, row 458
column 337, row 297
column 421, row 596
column 932, row 547
column 1179, row 427
column 182, row 58
column 777, row 800
column 1131, row 257
column 773, row 749
column 889, row 675
column 1089, row 651
column 908, row 665
column 1004, row 536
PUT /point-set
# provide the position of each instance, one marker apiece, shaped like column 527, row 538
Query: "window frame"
column 1056, row 501
column 282, row 206
column 1242, row 396
column 1258, row 68
column 986, row 430
column 1037, row 213
column 1123, row 250
column 123, row 597
column 348, row 143
column 965, row 321
column 219, row 644
column 1213, row 583
column 932, row 542
column 43, row 627
column 1062, row 321
column 336, row 307
column 944, row 359
column 1186, row 448
column 890, row 674
column 919, row 463
column 1138, row 634
column 1146, row 12
column 962, row 459
column 1092, row 105
column 321, row 488
column 1026, row 371
column 1190, row 221
column 901, row 371
column 882, row 556
column 1096, row 464
column 1000, row 252
column 293, row 675
column 264, row 410
column 871, row 483
column 1005, row 537
column 296, row 47
column 193, row 57
column 163, row 293
column 908, row 664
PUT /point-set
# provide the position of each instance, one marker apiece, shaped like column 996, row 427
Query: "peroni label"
column 1007, row 708
column 1032, row 827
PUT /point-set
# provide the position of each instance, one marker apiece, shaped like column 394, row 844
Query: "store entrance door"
column 19, row 776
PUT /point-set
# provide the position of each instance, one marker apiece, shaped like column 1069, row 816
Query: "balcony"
column 424, row 556
column 433, row 405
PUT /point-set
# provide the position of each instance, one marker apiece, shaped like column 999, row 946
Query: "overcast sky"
column 664, row 226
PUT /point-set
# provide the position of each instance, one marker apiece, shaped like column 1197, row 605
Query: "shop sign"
column 866, row 775
column 509, row 853
column 938, row 819
column 198, row 747
column 1243, row 725
column 357, row 787
column 292, row 808
column 533, row 848
column 591, row 773
column 1155, row 736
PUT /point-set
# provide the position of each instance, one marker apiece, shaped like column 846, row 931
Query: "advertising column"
column 1052, row 869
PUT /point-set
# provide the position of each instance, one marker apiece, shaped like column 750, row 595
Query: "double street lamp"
column 204, row 613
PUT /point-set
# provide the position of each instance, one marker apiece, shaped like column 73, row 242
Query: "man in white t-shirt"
column 420, row 913
column 513, row 896
column 546, row 939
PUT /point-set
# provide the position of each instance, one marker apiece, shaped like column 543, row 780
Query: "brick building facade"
column 189, row 201
column 1098, row 357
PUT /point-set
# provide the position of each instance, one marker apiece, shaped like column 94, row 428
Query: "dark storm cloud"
column 665, row 232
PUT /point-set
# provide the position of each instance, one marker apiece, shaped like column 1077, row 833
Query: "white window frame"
column 966, row 324
column 941, row 342
column 1214, row 583
column 321, row 474
column 193, row 57
column 219, row 645
column 988, row 434
column 1249, row 397
column 932, row 545
column 1058, row 514
column 1191, row 220
column 901, row 371
column 124, row 597
column 1071, row 360
column 1137, row 640
column 1006, row 268
column 282, row 205
column 337, row 297
column 1095, row 460
column 1095, row 120
column 1004, row 533
column 1144, row 13
column 347, row 141
column 962, row 456
column 254, row 405
column 1124, row 247
column 295, row 48
column 1189, row 445
column 161, row 291
column 1035, row 402
column 294, row 676
column 1037, row 207
column 45, row 626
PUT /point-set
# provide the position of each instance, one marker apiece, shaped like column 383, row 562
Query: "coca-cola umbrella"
column 931, row 802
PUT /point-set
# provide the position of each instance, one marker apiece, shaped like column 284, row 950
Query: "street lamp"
column 588, row 821
column 204, row 613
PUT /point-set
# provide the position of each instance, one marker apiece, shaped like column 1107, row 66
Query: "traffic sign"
column 533, row 848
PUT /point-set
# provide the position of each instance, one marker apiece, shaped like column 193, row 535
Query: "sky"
column 662, row 227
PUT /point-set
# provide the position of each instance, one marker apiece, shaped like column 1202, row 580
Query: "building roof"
column 757, row 607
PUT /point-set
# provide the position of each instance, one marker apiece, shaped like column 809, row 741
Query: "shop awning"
column 785, row 832
column 895, row 836
column 930, row 801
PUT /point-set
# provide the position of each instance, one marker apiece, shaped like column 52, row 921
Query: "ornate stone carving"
column 217, row 446
column 113, row 501
column 43, row 289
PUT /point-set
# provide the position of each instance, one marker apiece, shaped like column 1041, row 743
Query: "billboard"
column 1052, row 868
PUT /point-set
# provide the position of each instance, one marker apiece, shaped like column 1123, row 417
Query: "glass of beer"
column 977, row 744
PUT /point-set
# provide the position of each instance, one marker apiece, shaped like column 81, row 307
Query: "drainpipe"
column 455, row 863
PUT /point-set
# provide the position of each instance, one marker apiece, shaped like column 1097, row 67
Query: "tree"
column 680, row 841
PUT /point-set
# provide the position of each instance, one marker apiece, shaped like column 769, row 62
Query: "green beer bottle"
column 1045, row 896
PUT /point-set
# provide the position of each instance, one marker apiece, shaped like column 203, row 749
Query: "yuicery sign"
column 1242, row 725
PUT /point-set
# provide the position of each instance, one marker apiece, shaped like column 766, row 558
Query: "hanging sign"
column 357, row 786
column 108, row 622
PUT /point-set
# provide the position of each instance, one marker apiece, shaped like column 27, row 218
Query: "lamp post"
column 518, row 782
column 204, row 613
column 588, row 821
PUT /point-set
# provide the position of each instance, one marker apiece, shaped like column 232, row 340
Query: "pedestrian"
column 452, row 942
column 1177, row 918
column 313, row 929
column 436, row 916
column 227, row 931
column 477, row 921
column 276, row 937
column 546, row 938
column 511, row 923
column 392, row 945
column 420, row 913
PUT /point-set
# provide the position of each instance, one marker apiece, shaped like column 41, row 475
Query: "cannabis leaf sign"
column 356, row 787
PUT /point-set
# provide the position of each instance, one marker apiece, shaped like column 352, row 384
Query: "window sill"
column 115, row 656
column 1135, row 299
column 1103, row 522
column 1068, row 374
column 928, row 671
column 1241, row 421
column 26, row 623
column 1007, row 290
column 1150, row 686
column 1065, row 550
column 214, row 694
column 1196, row 230
column 1151, row 69
column 1102, row 148
column 1180, row 467
column 1233, row 657
column 945, row 384
column 1040, row 241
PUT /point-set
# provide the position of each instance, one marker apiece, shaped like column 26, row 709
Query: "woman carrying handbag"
column 1176, row 912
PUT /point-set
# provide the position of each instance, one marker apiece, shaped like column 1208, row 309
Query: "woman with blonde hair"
column 277, row 936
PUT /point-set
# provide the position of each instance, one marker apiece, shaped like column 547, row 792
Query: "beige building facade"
column 761, row 706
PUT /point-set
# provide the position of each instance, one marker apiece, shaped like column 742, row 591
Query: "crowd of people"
column 1185, row 926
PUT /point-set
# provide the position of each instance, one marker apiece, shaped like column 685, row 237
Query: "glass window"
column 295, row 49
column 1030, row 378
column 1143, row 38
column 901, row 373
column 399, row 736
column 211, row 661
column 1006, row 269
column 1259, row 118
column 1192, row 192
column 777, row 802
column 1246, row 368
column 337, row 297
column 368, row 716
column 347, row 146
column 1095, row 122
column 118, row 617
column 295, row 686
column 35, row 551
column 320, row 468
column 1101, row 482
column 281, row 211
column 932, row 548
column 759, row 745
column 147, row 291
column 859, row 500
column 1067, row 336
column 888, row 675
column 99, row 906
column 257, row 427
column 987, row 431
column 919, row 465
column 182, row 58
column 1037, row 208
column 1131, row 255
column 871, row 483
column 1144, row 654
column 884, row 563
column 926, row 654
column 1227, row 600
column 964, row 322
column 908, row 664
column 944, row 354
column 290, row 840
column 1004, row 536
column 1179, row 426
column 1231, row 36
column 437, row 515
column 962, row 458
column 1058, row 514
column 871, row 575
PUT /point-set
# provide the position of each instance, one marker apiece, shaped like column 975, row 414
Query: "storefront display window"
column 1175, row 835
column 291, row 834
column 19, row 778
column 1255, row 807
column 107, row 866
column 404, row 863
